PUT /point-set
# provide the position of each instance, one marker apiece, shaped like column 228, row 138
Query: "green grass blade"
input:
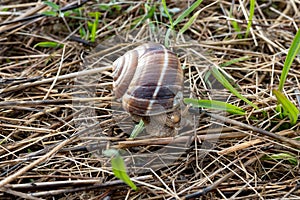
column 187, row 12
column 236, row 27
column 52, row 5
column 118, row 167
column 283, row 156
column 83, row 33
column 148, row 15
column 293, row 51
column 48, row 44
column 137, row 129
column 233, row 61
column 119, row 170
column 50, row 13
column 291, row 110
column 219, row 76
column 216, row 105
column 169, row 33
column 189, row 23
column 251, row 14
column 110, row 152
column 167, row 13
column 94, row 27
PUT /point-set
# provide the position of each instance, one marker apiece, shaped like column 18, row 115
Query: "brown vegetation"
column 57, row 111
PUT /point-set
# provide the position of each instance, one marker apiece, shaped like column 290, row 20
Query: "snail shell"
column 149, row 80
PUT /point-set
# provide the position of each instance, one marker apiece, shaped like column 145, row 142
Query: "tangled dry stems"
column 58, row 113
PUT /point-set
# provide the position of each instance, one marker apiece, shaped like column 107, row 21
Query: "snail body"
column 149, row 82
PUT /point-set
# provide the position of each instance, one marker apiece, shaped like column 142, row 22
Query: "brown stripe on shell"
column 125, row 66
column 124, row 70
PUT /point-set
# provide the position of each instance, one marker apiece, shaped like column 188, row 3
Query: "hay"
column 57, row 110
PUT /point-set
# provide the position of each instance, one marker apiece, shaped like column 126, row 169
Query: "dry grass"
column 57, row 111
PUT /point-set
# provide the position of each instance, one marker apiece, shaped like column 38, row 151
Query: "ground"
column 58, row 114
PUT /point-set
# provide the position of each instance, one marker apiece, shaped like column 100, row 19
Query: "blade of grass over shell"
column 291, row 110
column 213, row 104
column 251, row 14
column 219, row 76
column 293, row 51
column 187, row 12
column 118, row 167
column 137, row 129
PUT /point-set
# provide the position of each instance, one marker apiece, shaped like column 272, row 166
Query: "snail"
column 148, row 80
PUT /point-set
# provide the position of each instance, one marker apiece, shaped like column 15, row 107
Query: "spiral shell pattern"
column 147, row 80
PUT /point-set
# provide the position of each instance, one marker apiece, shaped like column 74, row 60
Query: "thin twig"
column 169, row 140
column 249, row 143
column 57, row 74
column 52, row 102
column 293, row 143
column 88, row 188
column 62, row 77
column 19, row 194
